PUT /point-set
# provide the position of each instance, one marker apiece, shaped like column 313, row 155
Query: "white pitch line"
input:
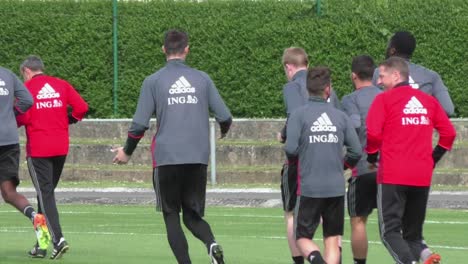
column 209, row 190
column 228, row 215
column 5, row 230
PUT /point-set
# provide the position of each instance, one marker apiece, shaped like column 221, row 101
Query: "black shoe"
column 216, row 254
column 36, row 252
column 59, row 249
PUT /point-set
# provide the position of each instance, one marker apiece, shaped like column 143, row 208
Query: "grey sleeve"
column 24, row 99
column 216, row 103
column 292, row 97
column 375, row 78
column 353, row 146
column 293, row 130
column 334, row 100
column 145, row 109
column 441, row 93
column 351, row 109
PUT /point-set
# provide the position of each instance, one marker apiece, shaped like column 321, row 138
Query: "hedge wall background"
column 239, row 43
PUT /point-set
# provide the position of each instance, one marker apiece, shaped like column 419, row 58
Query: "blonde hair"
column 398, row 64
column 295, row 56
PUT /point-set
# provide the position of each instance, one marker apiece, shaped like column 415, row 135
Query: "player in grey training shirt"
column 317, row 133
column 181, row 98
column 362, row 190
column 295, row 62
column 295, row 95
column 15, row 100
column 402, row 44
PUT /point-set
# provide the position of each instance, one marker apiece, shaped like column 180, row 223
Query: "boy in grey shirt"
column 317, row 133
column 362, row 190
column 15, row 100
column 181, row 98
column 402, row 44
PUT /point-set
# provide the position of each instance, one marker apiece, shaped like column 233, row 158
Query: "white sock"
column 425, row 254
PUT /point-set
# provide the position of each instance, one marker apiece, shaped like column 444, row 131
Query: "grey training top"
column 14, row 97
column 295, row 95
column 181, row 98
column 429, row 82
column 357, row 105
column 295, row 92
column 317, row 133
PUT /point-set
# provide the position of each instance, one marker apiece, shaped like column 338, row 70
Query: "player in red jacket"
column 47, row 144
column 400, row 125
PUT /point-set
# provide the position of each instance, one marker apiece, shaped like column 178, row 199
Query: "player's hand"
column 280, row 138
column 372, row 166
column 223, row 135
column 120, row 158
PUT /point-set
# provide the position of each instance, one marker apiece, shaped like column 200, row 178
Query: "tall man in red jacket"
column 400, row 124
column 47, row 141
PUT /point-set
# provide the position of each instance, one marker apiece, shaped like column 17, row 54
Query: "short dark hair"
column 175, row 41
column 32, row 62
column 404, row 44
column 318, row 78
column 397, row 64
column 363, row 66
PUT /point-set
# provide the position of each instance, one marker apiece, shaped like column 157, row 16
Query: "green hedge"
column 239, row 43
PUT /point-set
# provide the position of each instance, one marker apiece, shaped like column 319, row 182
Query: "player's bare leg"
column 11, row 196
column 359, row 244
column 332, row 249
column 289, row 219
column 310, row 251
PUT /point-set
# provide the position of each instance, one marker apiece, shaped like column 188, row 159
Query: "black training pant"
column 402, row 210
column 45, row 174
column 178, row 188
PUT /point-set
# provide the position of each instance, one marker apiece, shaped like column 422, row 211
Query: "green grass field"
column 136, row 234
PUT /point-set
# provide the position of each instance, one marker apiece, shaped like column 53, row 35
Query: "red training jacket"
column 400, row 125
column 46, row 121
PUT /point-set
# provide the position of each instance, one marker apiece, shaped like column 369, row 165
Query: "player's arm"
column 351, row 109
column 145, row 109
column 293, row 99
column 293, row 131
column 78, row 104
column 334, row 100
column 353, row 146
column 218, row 107
column 375, row 124
column 441, row 93
column 23, row 98
column 446, row 132
column 375, row 77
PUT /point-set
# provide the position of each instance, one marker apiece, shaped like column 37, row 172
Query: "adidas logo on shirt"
column 4, row 91
column 181, row 86
column 412, row 83
column 414, row 106
column 47, row 92
column 323, row 123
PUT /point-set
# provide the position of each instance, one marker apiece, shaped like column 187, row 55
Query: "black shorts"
column 310, row 210
column 9, row 163
column 289, row 186
column 362, row 194
column 181, row 186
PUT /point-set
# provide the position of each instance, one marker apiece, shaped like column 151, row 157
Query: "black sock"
column 298, row 260
column 29, row 212
column 359, row 261
column 315, row 258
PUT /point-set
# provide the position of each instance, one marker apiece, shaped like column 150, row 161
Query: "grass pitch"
column 136, row 234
